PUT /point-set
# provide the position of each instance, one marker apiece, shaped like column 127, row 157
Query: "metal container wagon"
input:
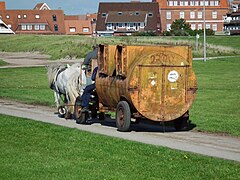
column 146, row 82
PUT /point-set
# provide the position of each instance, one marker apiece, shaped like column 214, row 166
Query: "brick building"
column 232, row 20
column 192, row 12
column 43, row 20
column 40, row 20
column 127, row 18
column 80, row 24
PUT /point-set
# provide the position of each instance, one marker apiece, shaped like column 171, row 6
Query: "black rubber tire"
column 80, row 117
column 182, row 123
column 83, row 118
column 123, row 116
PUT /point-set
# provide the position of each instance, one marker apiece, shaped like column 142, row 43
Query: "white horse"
column 67, row 81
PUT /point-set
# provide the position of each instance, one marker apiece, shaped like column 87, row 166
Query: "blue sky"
column 69, row 6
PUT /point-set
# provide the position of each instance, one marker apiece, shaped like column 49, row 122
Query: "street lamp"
column 204, row 32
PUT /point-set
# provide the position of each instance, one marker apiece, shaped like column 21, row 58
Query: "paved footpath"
column 205, row 144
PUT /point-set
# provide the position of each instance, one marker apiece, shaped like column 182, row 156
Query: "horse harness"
column 53, row 86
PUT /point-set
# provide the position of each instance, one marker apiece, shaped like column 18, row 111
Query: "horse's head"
column 52, row 71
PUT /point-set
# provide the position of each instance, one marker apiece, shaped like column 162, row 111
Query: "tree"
column 180, row 27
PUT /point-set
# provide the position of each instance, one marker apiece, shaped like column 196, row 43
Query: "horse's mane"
column 52, row 70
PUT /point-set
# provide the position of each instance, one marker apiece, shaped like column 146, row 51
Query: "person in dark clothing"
column 88, row 90
column 91, row 55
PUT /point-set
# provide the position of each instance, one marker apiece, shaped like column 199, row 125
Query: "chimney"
column 2, row 5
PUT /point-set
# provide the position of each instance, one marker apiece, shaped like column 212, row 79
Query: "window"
column 37, row 16
column 193, row 26
column 214, row 15
column 55, row 27
column 137, row 13
column 214, row 27
column 181, row 3
column 150, row 14
column 109, row 26
column 208, row 26
column 175, row 3
column 201, row 3
column 142, row 25
column 181, row 15
column 196, row 3
column 206, row 3
column 104, row 14
column 42, row 27
column 72, row 29
column 211, row 3
column 191, row 3
column 23, row 27
column 199, row 15
column 120, row 13
column 54, row 17
column 85, row 29
column 19, row 16
column 36, row 27
column 192, row 15
column 121, row 25
column 24, row 16
column 29, row 27
column 185, row 3
column 216, row 3
column 199, row 26
column 170, row 3
column 7, row 16
column 169, row 15
column 168, row 27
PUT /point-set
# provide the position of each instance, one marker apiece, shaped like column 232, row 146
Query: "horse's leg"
column 68, row 107
column 57, row 99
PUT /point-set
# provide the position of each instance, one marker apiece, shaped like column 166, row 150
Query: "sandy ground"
column 206, row 144
column 27, row 59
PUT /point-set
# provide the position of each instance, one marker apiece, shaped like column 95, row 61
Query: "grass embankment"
column 3, row 63
column 34, row 150
column 56, row 46
column 216, row 108
column 77, row 46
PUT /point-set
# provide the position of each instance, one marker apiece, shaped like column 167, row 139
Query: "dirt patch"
column 31, row 59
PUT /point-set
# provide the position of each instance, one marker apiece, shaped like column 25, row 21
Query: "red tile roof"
column 126, row 16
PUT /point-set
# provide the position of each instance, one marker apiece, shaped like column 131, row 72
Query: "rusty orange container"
column 157, row 82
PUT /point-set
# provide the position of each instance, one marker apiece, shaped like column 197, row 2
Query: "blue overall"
column 88, row 90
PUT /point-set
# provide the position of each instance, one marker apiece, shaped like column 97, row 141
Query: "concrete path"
column 205, row 144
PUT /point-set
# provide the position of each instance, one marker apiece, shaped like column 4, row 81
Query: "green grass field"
column 77, row 46
column 216, row 108
column 35, row 150
column 28, row 85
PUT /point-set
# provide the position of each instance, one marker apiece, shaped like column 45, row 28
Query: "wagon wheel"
column 182, row 123
column 123, row 116
column 79, row 116
column 62, row 111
